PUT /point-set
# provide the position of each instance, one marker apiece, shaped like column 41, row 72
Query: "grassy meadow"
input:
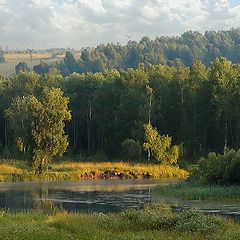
column 19, row 171
column 14, row 57
column 8, row 68
column 154, row 222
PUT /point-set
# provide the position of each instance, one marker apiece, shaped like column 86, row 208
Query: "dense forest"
column 197, row 106
column 171, row 51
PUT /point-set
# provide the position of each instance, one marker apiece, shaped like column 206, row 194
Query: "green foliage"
column 156, row 217
column 21, row 67
column 131, row 149
column 197, row 106
column 41, row 68
column 171, row 51
column 20, row 115
column 151, row 223
column 160, row 146
column 48, row 131
column 68, row 65
column 219, row 168
column 39, row 126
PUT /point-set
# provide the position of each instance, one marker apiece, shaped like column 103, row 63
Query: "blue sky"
column 82, row 23
column 234, row 2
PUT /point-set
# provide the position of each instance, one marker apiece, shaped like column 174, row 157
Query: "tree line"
column 197, row 106
column 172, row 51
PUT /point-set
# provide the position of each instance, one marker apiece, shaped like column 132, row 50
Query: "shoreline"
column 17, row 171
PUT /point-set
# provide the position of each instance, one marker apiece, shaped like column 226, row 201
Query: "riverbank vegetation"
column 19, row 171
column 220, row 169
column 154, row 222
column 216, row 177
column 191, row 191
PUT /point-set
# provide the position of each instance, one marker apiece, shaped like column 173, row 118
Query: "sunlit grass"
column 19, row 171
column 9, row 169
column 154, row 171
column 13, row 57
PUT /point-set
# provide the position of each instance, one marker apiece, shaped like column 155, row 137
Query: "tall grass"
column 199, row 192
column 151, row 223
column 18, row 171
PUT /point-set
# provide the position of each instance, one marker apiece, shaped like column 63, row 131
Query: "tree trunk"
column 149, row 155
column 89, row 119
column 6, row 136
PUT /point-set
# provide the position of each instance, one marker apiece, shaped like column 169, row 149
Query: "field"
column 16, row 57
column 8, row 68
column 151, row 223
column 19, row 171
column 12, row 59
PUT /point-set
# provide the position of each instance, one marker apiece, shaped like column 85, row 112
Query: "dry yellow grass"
column 153, row 170
column 13, row 57
column 19, row 171
column 9, row 169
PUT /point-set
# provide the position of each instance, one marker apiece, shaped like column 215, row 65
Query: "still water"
column 101, row 196
column 83, row 196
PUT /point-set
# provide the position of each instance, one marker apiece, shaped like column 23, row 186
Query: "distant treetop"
column 172, row 51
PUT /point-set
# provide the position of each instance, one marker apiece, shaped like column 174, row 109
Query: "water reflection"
column 100, row 196
column 42, row 203
column 85, row 196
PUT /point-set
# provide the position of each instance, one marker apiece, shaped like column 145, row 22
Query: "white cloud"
column 78, row 23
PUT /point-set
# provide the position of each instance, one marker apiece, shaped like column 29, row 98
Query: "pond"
column 101, row 196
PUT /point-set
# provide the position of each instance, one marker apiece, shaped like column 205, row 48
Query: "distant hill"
column 172, row 51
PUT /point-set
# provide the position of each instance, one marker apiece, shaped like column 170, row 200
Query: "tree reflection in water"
column 42, row 203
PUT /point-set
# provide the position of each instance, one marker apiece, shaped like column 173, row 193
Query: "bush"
column 157, row 218
column 131, row 149
column 219, row 169
column 195, row 221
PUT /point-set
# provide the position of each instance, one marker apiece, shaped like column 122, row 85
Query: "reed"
column 199, row 192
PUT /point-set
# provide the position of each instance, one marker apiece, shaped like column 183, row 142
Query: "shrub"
column 131, row 149
column 219, row 169
column 160, row 146
column 195, row 221
column 157, row 218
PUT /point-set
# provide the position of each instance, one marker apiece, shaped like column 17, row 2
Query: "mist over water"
column 103, row 196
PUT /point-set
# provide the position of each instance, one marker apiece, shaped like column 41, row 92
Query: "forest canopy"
column 172, row 51
column 197, row 106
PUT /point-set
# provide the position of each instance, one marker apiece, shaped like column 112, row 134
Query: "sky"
column 88, row 23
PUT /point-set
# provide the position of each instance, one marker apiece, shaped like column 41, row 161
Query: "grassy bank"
column 151, row 223
column 194, row 192
column 18, row 171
